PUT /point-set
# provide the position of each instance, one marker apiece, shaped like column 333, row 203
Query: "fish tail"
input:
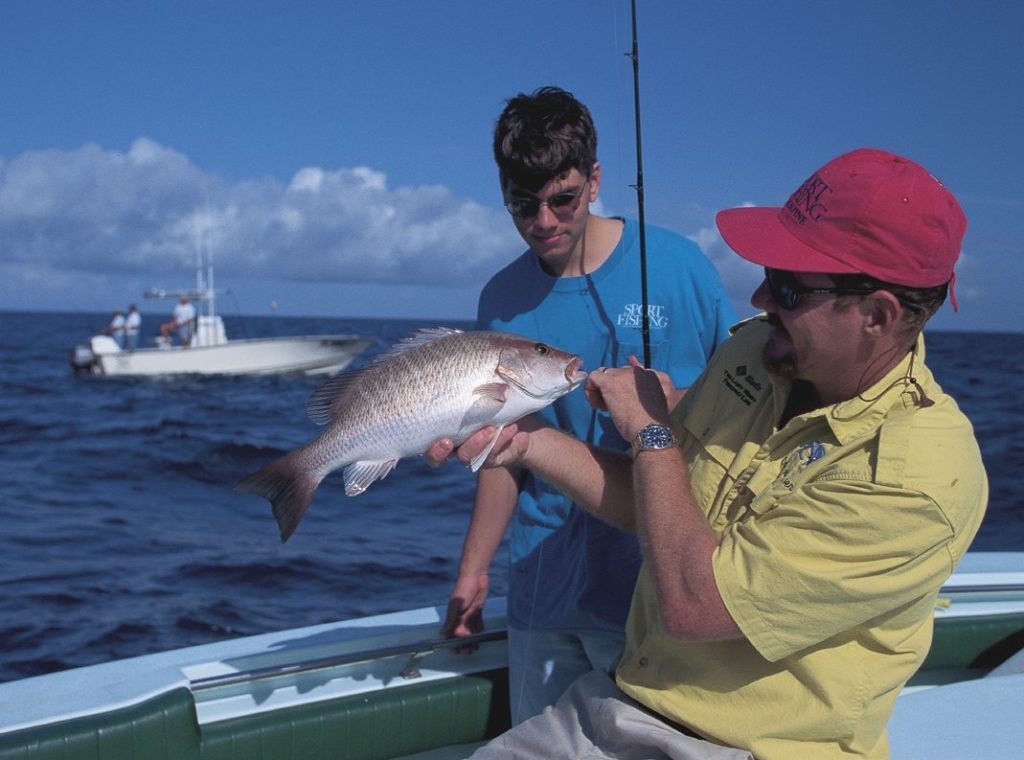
column 289, row 484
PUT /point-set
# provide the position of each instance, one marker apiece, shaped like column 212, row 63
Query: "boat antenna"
column 639, row 186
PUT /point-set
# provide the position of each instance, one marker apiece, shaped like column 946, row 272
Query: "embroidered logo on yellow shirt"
column 799, row 461
column 746, row 387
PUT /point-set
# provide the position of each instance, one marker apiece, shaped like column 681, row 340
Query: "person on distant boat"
column 116, row 328
column 798, row 510
column 576, row 287
column 183, row 320
column 132, row 326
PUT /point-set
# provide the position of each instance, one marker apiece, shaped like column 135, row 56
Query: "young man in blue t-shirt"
column 578, row 288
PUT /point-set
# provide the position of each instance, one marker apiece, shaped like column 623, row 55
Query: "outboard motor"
column 82, row 359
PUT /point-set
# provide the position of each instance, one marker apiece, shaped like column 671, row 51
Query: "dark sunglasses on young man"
column 561, row 204
column 787, row 292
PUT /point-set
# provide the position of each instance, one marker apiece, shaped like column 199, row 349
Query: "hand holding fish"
column 632, row 394
column 507, row 449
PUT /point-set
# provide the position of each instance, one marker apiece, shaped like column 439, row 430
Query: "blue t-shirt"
column 570, row 571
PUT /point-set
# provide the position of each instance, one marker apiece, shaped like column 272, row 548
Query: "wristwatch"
column 653, row 437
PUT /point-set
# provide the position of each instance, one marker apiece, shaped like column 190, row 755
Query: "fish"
column 438, row 383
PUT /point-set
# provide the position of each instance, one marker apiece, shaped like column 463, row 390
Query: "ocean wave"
column 14, row 430
column 267, row 576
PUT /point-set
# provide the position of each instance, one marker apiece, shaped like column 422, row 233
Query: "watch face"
column 655, row 437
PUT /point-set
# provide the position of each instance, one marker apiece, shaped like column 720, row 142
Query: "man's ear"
column 882, row 312
column 595, row 181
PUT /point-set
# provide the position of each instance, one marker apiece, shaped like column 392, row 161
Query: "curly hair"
column 543, row 135
column 920, row 303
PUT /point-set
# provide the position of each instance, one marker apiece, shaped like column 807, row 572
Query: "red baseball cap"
column 867, row 211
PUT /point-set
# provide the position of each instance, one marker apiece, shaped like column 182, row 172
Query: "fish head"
column 538, row 370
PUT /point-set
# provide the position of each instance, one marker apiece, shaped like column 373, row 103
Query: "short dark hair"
column 543, row 135
column 920, row 303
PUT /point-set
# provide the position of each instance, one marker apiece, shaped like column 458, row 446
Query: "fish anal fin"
column 361, row 475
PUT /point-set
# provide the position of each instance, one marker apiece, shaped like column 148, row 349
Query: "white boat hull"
column 309, row 355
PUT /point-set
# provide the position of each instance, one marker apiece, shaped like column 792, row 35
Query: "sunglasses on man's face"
column 561, row 204
column 787, row 292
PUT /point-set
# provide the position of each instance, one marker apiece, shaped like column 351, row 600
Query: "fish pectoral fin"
column 361, row 475
column 482, row 410
column 493, row 391
column 475, row 462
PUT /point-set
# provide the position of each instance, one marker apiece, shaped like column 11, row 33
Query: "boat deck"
column 383, row 687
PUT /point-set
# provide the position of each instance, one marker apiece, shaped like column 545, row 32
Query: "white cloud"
column 739, row 276
column 144, row 212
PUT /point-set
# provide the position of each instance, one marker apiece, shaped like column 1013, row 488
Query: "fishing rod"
column 639, row 186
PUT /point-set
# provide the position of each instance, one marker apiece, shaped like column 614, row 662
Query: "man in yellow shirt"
column 801, row 507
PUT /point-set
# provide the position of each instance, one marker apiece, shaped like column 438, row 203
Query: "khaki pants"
column 543, row 664
column 594, row 720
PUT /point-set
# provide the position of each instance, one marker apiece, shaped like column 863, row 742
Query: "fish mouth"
column 574, row 376
column 574, row 372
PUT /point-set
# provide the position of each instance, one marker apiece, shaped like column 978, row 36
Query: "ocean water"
column 120, row 533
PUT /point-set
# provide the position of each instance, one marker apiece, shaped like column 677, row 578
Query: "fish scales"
column 438, row 383
column 402, row 404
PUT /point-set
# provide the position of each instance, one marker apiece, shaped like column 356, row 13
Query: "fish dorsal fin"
column 421, row 337
column 329, row 397
column 322, row 404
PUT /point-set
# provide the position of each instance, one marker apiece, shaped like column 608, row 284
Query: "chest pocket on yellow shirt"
column 713, row 479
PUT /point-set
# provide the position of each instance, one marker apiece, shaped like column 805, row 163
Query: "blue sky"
column 335, row 156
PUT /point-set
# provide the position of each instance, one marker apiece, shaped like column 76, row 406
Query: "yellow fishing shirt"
column 836, row 533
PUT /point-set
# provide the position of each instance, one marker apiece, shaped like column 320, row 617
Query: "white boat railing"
column 416, row 650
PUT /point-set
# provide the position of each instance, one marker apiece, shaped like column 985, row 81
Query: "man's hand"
column 673, row 395
column 509, row 449
column 466, row 610
column 632, row 395
column 440, row 451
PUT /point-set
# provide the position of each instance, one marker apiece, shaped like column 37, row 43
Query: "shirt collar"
column 850, row 419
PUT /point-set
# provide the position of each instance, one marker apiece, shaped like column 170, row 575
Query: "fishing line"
column 634, row 55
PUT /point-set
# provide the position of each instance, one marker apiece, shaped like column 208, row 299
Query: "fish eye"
column 540, row 348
